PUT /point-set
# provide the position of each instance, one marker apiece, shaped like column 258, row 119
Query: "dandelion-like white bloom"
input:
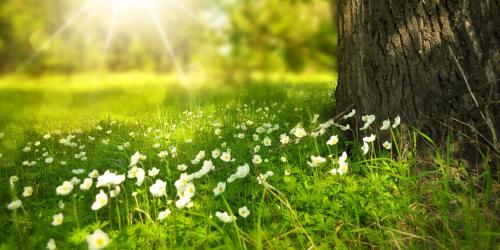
column 57, row 219
column 137, row 173
column 260, row 130
column 135, row 158
column 368, row 119
column 365, row 148
column 299, row 132
column 217, row 131
column 101, row 199
column 369, row 139
column 65, row 188
column 164, row 214
column 153, row 172
column 156, row 145
column 221, row 187
column 244, row 212
column 182, row 202
column 98, row 240
column 397, row 121
column 333, row 171
column 225, row 217
column 28, row 191
column 87, row 184
column 284, row 139
column 241, row 173
column 343, row 167
column 51, row 245
column 351, row 114
column 263, row 177
column 198, row 157
column 387, row 145
column 226, row 156
column 216, row 153
column 385, row 124
column 240, row 135
column 283, row 159
column 159, row 189
column 257, row 159
column 267, row 141
column 15, row 205
column 288, row 171
column 255, row 137
column 316, row 161
column 333, row 140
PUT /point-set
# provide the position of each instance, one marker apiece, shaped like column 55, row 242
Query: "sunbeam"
column 91, row 14
column 61, row 29
column 165, row 40
column 109, row 36
column 184, row 9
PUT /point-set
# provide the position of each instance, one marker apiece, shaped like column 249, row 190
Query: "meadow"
column 142, row 161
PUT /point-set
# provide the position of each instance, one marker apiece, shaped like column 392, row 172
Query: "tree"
column 435, row 63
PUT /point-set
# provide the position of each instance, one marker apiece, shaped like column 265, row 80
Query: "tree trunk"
column 429, row 61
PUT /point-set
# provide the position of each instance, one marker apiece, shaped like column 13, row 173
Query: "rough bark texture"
column 418, row 58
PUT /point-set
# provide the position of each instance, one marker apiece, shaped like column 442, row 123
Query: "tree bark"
column 429, row 61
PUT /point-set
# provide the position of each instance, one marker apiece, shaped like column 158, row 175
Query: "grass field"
column 239, row 146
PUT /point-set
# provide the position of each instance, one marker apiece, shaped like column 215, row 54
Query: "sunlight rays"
column 164, row 39
column 109, row 36
column 61, row 29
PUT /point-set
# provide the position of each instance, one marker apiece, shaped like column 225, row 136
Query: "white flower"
column 109, row 178
column 216, row 153
column 57, row 219
column 217, row 131
column 51, row 245
column 115, row 192
column 101, row 199
column 158, row 189
column 135, row 158
column 260, row 130
column 267, row 141
column 315, row 118
column 333, row 171
column 77, row 171
column 343, row 167
column 15, row 205
column 221, row 187
column 244, row 212
column 49, row 160
column 369, row 139
column 299, row 132
column 28, row 191
column 207, row 167
column 255, row 137
column 87, row 184
column 98, row 240
column 225, row 217
column 333, row 140
column 368, row 119
column 344, row 128
column 182, row 202
column 156, row 145
column 397, row 121
column 61, row 204
column 65, row 188
column 182, row 167
column 198, row 157
column 385, row 124
column 387, row 145
column 163, row 154
column 138, row 173
column 343, row 157
column 153, row 172
column 284, row 139
column 226, row 156
column 256, row 149
column 46, row 136
column 257, row 159
column 316, row 161
column 263, row 177
column 288, row 171
column 365, row 148
column 164, row 214
column 241, row 173
column 94, row 173
column 240, row 135
column 351, row 114
column 283, row 159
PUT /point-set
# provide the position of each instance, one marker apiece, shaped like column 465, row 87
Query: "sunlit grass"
column 387, row 198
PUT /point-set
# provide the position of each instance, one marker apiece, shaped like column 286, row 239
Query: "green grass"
column 387, row 199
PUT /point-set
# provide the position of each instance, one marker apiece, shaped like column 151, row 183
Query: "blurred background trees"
column 219, row 37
